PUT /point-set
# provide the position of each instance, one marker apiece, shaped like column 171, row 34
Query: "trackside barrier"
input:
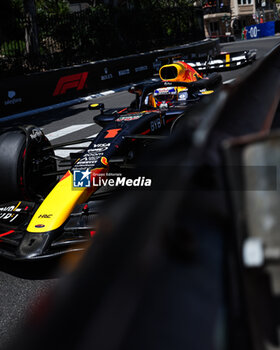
column 19, row 94
column 260, row 30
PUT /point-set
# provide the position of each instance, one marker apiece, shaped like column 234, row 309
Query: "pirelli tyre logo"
column 70, row 82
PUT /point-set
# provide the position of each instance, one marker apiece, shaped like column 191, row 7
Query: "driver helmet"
column 165, row 96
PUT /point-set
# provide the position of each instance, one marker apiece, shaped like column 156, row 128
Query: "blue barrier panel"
column 260, row 30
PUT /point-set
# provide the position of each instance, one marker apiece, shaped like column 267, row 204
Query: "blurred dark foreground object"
column 165, row 270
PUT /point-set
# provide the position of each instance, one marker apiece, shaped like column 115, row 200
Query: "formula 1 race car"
column 55, row 217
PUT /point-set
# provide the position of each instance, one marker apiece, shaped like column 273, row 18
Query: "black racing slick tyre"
column 24, row 162
column 178, row 123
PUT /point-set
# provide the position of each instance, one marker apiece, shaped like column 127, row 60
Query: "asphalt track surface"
column 22, row 284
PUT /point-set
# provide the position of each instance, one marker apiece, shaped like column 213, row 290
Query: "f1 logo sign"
column 69, row 82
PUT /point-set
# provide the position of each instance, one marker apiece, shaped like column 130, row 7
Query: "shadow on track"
column 45, row 117
column 36, row 270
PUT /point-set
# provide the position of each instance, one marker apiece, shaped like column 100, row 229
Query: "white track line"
column 65, row 152
column 69, row 130
column 109, row 92
column 229, row 81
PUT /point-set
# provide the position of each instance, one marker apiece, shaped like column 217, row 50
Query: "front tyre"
column 25, row 160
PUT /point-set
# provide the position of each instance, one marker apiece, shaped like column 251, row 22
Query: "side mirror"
column 254, row 243
column 95, row 106
column 135, row 90
column 252, row 165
